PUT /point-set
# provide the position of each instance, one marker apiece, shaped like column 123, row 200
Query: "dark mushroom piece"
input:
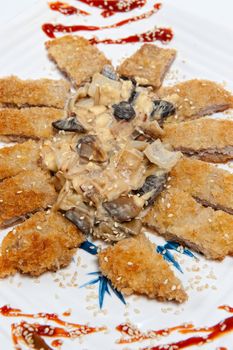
column 80, row 218
column 69, row 124
column 123, row 208
column 88, row 147
column 109, row 72
column 162, row 109
column 154, row 184
column 124, row 111
column 110, row 231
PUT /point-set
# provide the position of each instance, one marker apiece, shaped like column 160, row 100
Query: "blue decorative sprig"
column 89, row 247
column 104, row 285
column 170, row 245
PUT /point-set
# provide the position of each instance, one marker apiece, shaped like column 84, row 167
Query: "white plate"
column 205, row 51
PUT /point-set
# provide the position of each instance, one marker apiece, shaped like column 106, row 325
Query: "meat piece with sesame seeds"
column 32, row 251
column 22, row 124
column 76, row 57
column 133, row 266
column 23, row 194
column 186, row 221
column 210, row 185
column 196, row 98
column 148, row 65
column 210, row 140
column 24, row 156
column 25, row 93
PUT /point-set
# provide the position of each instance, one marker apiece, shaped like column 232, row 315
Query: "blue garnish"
column 167, row 255
column 89, row 247
column 104, row 284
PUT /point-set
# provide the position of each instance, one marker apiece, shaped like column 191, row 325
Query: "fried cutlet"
column 176, row 215
column 25, row 193
column 24, row 156
column 24, row 93
column 45, row 242
column 76, row 57
column 196, row 98
column 21, row 124
column 210, row 185
column 148, row 65
column 133, row 266
column 210, row 140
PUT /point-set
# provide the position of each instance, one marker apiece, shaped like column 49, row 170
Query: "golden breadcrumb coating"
column 76, row 57
column 133, row 266
column 24, row 156
column 149, row 64
column 177, row 216
column 25, row 193
column 21, row 124
column 204, row 181
column 42, row 92
column 207, row 139
column 196, row 98
column 45, row 242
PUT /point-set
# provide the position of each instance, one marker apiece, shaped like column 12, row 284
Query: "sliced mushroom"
column 124, row 208
column 124, row 111
column 110, row 231
column 89, row 147
column 109, row 72
column 69, row 124
column 91, row 195
column 153, row 186
column 161, row 110
column 81, row 219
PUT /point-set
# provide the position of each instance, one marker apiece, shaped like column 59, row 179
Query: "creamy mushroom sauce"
column 108, row 161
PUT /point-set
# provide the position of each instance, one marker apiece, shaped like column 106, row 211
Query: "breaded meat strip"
column 210, row 140
column 133, row 266
column 209, row 185
column 25, row 193
column 24, row 156
column 195, row 98
column 24, row 93
column 148, row 65
column 45, row 242
column 22, row 124
column 76, row 57
column 177, row 216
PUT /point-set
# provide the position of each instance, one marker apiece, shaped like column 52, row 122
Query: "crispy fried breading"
column 24, row 156
column 207, row 183
column 41, row 92
column 45, row 242
column 133, row 266
column 196, row 98
column 76, row 57
column 177, row 216
column 25, row 193
column 207, row 139
column 21, row 124
column 148, row 65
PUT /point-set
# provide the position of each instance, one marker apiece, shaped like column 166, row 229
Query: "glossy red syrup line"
column 24, row 331
column 50, row 29
column 136, row 335
column 218, row 330
column 164, row 35
column 110, row 7
column 66, row 9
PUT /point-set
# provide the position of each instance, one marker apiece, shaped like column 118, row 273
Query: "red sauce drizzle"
column 26, row 332
column 50, row 28
column 164, row 35
column 110, row 7
column 56, row 343
column 66, row 9
column 218, row 330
